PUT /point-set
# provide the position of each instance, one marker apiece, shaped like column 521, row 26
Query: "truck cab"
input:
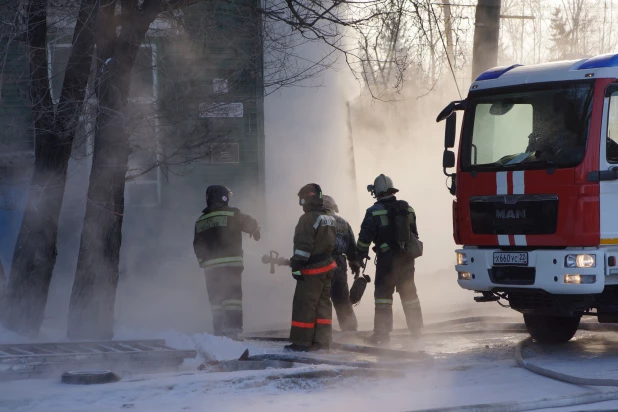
column 536, row 191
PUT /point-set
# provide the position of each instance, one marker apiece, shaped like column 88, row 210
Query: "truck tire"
column 89, row 377
column 551, row 329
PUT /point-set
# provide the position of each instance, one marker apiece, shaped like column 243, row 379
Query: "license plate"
column 511, row 259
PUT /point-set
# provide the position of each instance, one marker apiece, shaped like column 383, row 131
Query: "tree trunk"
column 35, row 251
column 91, row 311
column 448, row 31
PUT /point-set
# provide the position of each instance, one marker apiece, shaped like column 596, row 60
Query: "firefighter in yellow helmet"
column 391, row 225
column 218, row 247
column 313, row 268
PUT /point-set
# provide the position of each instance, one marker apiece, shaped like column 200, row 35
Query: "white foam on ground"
column 210, row 347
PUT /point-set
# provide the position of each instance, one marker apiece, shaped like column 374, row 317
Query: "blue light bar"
column 495, row 72
column 604, row 60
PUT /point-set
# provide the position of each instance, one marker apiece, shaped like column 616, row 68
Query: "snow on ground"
column 468, row 369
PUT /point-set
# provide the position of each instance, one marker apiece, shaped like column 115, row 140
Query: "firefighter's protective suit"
column 313, row 268
column 395, row 266
column 218, row 246
column 345, row 249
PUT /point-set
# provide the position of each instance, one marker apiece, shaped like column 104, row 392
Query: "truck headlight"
column 462, row 259
column 464, row 276
column 580, row 279
column 580, row 261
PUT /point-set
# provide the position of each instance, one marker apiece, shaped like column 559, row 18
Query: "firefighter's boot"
column 217, row 321
column 232, row 318
column 346, row 317
column 298, row 348
column 378, row 338
column 414, row 316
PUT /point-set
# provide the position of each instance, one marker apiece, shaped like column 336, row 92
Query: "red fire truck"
column 536, row 187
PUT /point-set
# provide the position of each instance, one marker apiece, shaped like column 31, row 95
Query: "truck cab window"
column 612, row 130
column 527, row 128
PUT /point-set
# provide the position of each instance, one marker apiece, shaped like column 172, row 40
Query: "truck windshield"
column 527, row 127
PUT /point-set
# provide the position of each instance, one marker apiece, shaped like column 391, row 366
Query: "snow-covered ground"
column 468, row 369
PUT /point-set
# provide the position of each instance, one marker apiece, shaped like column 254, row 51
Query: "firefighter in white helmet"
column 391, row 225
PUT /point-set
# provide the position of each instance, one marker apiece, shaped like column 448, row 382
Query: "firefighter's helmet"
column 218, row 194
column 310, row 196
column 330, row 204
column 382, row 186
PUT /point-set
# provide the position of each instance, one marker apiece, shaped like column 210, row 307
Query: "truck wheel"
column 551, row 329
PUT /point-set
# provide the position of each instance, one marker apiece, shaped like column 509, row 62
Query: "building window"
column 220, row 86
column 225, row 153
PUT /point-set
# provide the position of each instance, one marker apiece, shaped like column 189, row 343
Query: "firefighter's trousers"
column 312, row 312
column 224, row 285
column 396, row 271
column 340, row 296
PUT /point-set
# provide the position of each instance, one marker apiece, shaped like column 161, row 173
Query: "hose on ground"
column 321, row 361
column 576, row 380
column 546, row 403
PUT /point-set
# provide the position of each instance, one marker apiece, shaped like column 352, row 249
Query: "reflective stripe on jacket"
column 314, row 239
column 217, row 240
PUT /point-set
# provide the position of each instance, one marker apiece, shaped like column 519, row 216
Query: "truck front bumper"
column 546, row 270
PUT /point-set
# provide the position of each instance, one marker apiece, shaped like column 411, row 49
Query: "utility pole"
column 448, row 30
column 486, row 31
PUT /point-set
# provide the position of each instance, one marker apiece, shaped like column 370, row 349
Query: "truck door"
column 609, row 160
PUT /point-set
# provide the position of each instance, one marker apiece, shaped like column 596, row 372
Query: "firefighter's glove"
column 256, row 235
column 296, row 265
column 355, row 267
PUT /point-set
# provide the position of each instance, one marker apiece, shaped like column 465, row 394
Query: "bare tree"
column 406, row 40
column 35, row 251
column 119, row 28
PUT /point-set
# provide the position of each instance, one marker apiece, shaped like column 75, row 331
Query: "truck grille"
column 514, row 214
column 512, row 275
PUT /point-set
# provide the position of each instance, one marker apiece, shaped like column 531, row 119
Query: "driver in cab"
column 556, row 133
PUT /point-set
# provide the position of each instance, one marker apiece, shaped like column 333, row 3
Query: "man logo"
column 511, row 214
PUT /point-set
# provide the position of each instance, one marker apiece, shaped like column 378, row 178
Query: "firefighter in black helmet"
column 390, row 225
column 218, row 246
column 313, row 268
column 345, row 249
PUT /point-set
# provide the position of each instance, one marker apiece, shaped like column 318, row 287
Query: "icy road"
column 468, row 369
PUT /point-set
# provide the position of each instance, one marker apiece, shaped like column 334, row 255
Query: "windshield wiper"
column 549, row 163
column 511, row 165
column 519, row 158
column 488, row 165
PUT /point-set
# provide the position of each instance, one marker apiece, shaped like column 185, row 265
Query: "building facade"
column 196, row 117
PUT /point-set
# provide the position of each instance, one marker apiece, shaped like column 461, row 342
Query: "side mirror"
column 450, row 131
column 448, row 159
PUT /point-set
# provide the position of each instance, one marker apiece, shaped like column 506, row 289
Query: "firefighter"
column 345, row 248
column 395, row 263
column 313, row 267
column 218, row 246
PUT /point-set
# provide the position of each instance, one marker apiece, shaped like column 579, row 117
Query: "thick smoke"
column 308, row 139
